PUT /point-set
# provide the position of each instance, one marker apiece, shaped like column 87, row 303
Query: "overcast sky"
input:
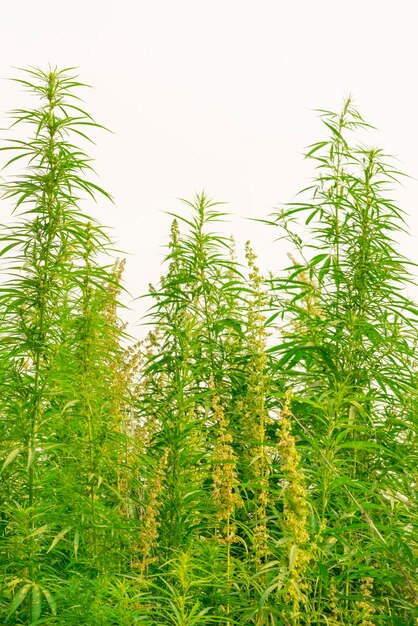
column 220, row 95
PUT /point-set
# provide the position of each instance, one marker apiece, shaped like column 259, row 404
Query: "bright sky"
column 219, row 95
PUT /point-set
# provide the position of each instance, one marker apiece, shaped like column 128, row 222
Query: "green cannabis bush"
column 253, row 459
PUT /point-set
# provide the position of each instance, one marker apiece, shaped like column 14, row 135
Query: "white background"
column 220, row 95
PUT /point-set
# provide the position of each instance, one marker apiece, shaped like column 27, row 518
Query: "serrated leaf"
column 31, row 456
column 38, row 531
column 292, row 556
column 36, row 603
column 76, row 542
column 19, row 598
column 58, row 538
column 10, row 458
column 50, row 599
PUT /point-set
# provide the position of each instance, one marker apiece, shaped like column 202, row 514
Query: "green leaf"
column 50, row 599
column 36, row 603
column 18, row 599
column 38, row 531
column 10, row 458
column 31, row 456
column 76, row 542
column 292, row 556
column 58, row 538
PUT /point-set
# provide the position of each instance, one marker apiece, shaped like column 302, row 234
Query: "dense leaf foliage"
column 253, row 459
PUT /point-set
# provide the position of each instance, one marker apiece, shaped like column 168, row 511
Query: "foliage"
column 253, row 459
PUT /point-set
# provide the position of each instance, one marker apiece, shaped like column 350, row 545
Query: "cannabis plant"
column 61, row 444
column 348, row 352
column 253, row 459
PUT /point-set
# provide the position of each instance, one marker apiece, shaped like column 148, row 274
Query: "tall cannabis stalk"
column 185, row 399
column 49, row 256
column 295, row 512
column 348, row 351
column 254, row 418
column 225, row 485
